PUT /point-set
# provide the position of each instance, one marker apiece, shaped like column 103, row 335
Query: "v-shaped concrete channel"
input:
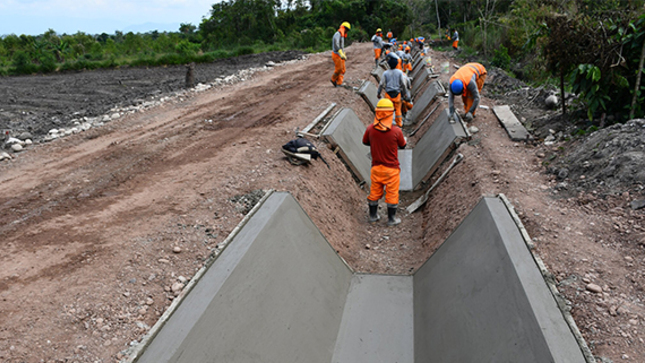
column 280, row 293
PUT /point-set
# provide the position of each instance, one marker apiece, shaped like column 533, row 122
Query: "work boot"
column 376, row 62
column 334, row 83
column 391, row 216
column 373, row 217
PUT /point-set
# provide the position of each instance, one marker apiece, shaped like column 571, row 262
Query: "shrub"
column 243, row 51
column 501, row 58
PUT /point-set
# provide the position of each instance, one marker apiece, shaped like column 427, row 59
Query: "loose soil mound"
column 611, row 160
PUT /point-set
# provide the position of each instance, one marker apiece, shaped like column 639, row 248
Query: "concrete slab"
column 421, row 79
column 405, row 162
column 377, row 73
column 514, row 128
column 364, row 338
column 434, row 147
column 417, row 67
column 481, row 298
column 276, row 294
column 368, row 91
column 424, row 100
column 346, row 131
column 280, row 293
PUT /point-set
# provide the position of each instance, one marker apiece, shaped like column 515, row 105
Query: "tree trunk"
column 638, row 82
column 436, row 5
column 564, row 103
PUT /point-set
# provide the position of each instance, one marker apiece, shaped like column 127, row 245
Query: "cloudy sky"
column 97, row 16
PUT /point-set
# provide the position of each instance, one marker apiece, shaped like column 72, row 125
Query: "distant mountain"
column 148, row 27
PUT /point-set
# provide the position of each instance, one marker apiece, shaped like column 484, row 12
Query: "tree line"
column 592, row 48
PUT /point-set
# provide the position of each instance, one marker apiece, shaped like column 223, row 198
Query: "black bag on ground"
column 303, row 146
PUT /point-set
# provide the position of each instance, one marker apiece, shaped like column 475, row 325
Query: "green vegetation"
column 588, row 47
column 592, row 48
column 234, row 28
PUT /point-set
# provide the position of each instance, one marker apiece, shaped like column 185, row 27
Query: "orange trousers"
column 455, row 44
column 405, row 106
column 397, row 108
column 388, row 178
column 468, row 98
column 339, row 69
column 408, row 67
column 377, row 53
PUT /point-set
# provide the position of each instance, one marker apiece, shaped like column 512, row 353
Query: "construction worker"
column 401, row 54
column 394, row 84
column 455, row 39
column 377, row 39
column 468, row 82
column 384, row 142
column 338, row 54
column 390, row 36
column 407, row 59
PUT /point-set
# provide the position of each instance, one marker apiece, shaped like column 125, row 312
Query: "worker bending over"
column 468, row 82
column 377, row 39
column 394, row 84
column 338, row 54
column 384, row 142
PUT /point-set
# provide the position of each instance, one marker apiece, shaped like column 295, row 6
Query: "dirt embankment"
column 100, row 230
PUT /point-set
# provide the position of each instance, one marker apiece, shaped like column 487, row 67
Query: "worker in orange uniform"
column 377, row 40
column 455, row 39
column 407, row 60
column 394, row 84
column 384, row 142
column 468, row 82
column 390, row 36
column 338, row 54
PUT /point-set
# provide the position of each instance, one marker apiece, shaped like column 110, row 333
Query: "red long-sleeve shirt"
column 384, row 145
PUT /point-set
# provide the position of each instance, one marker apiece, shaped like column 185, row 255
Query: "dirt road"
column 100, row 230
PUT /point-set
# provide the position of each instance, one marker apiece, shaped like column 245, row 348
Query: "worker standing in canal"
column 393, row 83
column 338, row 54
column 384, row 141
column 468, row 82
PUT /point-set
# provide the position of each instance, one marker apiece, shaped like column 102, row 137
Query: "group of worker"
column 385, row 136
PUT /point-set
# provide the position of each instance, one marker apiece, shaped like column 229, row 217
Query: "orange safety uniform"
column 397, row 108
column 339, row 63
column 465, row 74
column 405, row 106
column 384, row 142
column 377, row 53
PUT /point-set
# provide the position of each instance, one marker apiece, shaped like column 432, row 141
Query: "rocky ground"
column 104, row 225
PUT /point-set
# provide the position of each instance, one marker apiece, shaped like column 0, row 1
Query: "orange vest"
column 465, row 74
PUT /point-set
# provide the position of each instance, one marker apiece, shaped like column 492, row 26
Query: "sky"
column 33, row 17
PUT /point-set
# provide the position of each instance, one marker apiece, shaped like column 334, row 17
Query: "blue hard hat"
column 457, row 87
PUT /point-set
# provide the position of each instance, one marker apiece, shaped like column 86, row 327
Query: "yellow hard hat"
column 385, row 104
column 346, row 25
column 379, row 30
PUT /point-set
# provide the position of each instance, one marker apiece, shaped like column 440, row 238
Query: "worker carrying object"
column 377, row 39
column 384, row 142
column 468, row 82
column 393, row 82
column 338, row 53
column 455, row 39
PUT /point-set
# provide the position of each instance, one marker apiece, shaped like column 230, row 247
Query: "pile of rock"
column 15, row 144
